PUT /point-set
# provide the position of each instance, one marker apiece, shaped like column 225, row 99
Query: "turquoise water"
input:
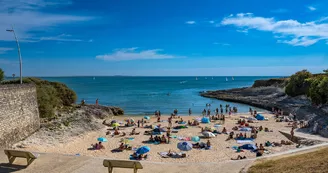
column 144, row 95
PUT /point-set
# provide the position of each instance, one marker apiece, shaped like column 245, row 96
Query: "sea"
column 145, row 95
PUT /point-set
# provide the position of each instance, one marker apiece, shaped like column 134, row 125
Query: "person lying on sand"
column 123, row 134
column 235, row 128
column 98, row 146
column 239, row 157
column 134, row 132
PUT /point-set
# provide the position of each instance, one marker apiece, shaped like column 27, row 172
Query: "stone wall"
column 19, row 114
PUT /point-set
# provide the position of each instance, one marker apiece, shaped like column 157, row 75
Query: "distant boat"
column 226, row 79
column 94, row 78
column 205, row 77
column 212, row 78
column 232, row 78
column 196, row 78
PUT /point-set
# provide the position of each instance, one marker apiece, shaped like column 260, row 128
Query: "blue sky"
column 164, row 37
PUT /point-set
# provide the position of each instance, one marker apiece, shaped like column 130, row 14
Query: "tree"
column 2, row 75
column 298, row 83
column 318, row 91
column 325, row 71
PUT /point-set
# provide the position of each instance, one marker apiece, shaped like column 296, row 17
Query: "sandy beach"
column 221, row 149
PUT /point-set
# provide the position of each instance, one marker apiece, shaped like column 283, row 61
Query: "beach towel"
column 163, row 154
column 175, row 131
column 244, row 141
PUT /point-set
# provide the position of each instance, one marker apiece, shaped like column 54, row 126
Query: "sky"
column 164, row 37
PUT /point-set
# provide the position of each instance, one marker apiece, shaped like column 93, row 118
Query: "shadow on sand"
column 7, row 167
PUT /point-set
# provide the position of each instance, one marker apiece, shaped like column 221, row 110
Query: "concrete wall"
column 19, row 114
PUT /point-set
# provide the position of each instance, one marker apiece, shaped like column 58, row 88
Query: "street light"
column 19, row 54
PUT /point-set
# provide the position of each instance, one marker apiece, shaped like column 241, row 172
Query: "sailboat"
column 232, row 78
column 196, row 78
column 212, row 78
column 226, row 79
column 94, row 78
column 205, row 77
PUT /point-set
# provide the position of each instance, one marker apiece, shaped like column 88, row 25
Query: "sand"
column 221, row 149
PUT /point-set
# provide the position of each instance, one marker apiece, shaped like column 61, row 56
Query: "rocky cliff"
column 266, row 96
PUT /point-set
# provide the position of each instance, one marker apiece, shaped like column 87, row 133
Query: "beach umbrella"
column 249, row 147
column 184, row 146
column 259, row 117
column 205, row 120
column 102, row 139
column 147, row 117
column 195, row 138
column 115, row 124
column 208, row 134
column 130, row 119
column 143, row 150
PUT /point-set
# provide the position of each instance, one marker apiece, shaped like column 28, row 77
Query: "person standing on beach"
column 142, row 122
column 189, row 111
column 292, row 134
column 204, row 112
column 97, row 101
column 138, row 123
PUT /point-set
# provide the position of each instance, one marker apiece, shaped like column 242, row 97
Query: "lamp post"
column 19, row 54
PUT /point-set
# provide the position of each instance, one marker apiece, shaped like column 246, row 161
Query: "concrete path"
column 55, row 163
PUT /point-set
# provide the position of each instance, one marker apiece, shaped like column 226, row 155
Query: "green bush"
column 298, row 83
column 50, row 95
column 2, row 75
column 318, row 91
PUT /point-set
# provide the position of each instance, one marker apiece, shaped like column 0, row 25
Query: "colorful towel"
column 244, row 141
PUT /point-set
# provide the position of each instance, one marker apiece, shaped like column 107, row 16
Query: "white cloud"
column 132, row 54
column 211, row 21
column 62, row 37
column 26, row 17
column 190, row 22
column 311, row 8
column 90, row 40
column 301, row 34
column 5, row 49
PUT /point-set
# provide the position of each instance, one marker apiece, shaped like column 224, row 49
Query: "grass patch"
column 314, row 162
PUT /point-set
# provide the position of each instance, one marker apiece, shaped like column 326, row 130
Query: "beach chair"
column 12, row 154
column 135, row 165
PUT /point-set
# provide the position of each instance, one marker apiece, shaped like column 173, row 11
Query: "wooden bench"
column 12, row 154
column 135, row 165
